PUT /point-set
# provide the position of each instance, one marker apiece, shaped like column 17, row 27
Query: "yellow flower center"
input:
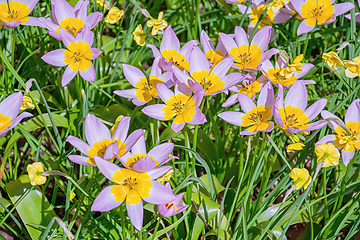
column 293, row 117
column 257, row 118
column 181, row 106
column 319, row 11
column 176, row 58
column 146, row 91
column 169, row 205
column 132, row 185
column 99, row 148
column 209, row 82
column 214, row 56
column 346, row 141
column 136, row 157
column 72, row 25
column 267, row 20
column 276, row 76
column 250, row 89
column 246, row 57
column 5, row 121
column 78, row 56
column 15, row 11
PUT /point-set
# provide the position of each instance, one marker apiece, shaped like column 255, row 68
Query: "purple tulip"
column 172, row 208
column 17, row 12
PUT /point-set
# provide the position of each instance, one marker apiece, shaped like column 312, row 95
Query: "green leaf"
column 217, row 185
column 165, row 230
column 34, row 207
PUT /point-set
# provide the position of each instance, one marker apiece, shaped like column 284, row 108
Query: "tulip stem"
column 325, row 199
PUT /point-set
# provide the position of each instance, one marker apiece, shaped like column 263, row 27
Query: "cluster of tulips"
column 194, row 72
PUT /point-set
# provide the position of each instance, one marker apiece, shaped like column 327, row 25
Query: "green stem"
column 306, row 44
column 325, row 199
column 123, row 232
column 156, row 228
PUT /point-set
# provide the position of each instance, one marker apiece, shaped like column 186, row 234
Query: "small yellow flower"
column 114, row 15
column 26, row 104
column 352, row 67
column 35, row 170
column 113, row 128
column 139, row 35
column 166, row 177
column 72, row 195
column 103, row 4
column 301, row 177
column 328, row 154
column 157, row 24
column 295, row 146
column 332, row 59
column 275, row 5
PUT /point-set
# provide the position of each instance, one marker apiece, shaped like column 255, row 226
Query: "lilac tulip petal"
column 262, row 37
column 155, row 51
column 205, row 41
column 230, row 101
column 79, row 144
column 246, row 103
column 111, row 151
column 315, row 126
column 223, row 67
column 94, row 18
column 234, row 118
column 67, row 76
column 133, row 138
column 297, row 4
column 187, row 48
column 140, row 146
column 128, row 93
column 342, row 8
column 195, row 87
column 66, row 37
column 81, row 9
column 80, row 160
column 333, row 121
column 55, row 58
column 170, row 41
column 161, row 152
column 33, row 22
column 164, row 93
column 88, row 74
column 13, row 24
column 158, row 172
column 314, row 110
column 107, row 168
column 96, row 53
column 198, row 61
column 297, row 96
column 155, row 111
column 353, row 112
column 15, row 101
column 282, row 16
column 247, row 133
column 347, row 156
column 155, row 69
column 269, row 53
column 181, row 76
column 136, row 214
column 304, row 70
column 133, row 74
column 122, row 129
column 177, row 127
column 278, row 118
column 144, row 165
column 241, row 37
column 266, row 96
column 95, row 130
column 227, row 41
column 243, row 9
column 63, row 10
column 304, row 28
column 105, row 201
column 159, row 194
column 198, row 118
column 18, row 119
column 326, row 139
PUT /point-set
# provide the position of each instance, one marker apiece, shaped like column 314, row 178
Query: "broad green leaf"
column 223, row 234
column 34, row 208
column 217, row 185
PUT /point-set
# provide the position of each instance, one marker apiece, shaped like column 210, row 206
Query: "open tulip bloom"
column 172, row 208
column 183, row 107
column 247, row 56
column 293, row 116
column 77, row 56
column 13, row 13
column 319, row 12
column 256, row 117
column 145, row 89
column 72, row 19
column 249, row 87
column 141, row 161
column 171, row 53
column 214, row 56
column 132, row 187
column 209, row 82
column 101, row 143
column 278, row 76
column 347, row 135
column 9, row 109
